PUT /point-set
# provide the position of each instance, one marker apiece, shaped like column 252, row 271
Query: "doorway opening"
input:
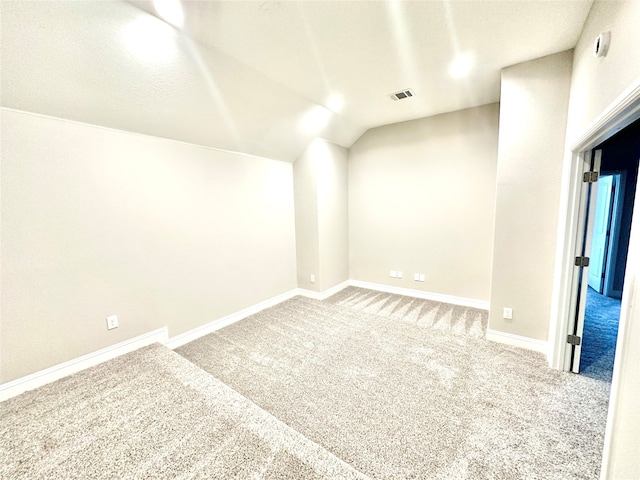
column 602, row 310
column 608, row 210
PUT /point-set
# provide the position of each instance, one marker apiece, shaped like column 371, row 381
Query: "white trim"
column 517, row 341
column 326, row 294
column 43, row 377
column 437, row 297
column 620, row 113
column 193, row 334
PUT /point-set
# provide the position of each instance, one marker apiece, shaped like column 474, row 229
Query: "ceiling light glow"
column 315, row 120
column 461, row 66
column 170, row 11
column 150, row 40
column 335, row 103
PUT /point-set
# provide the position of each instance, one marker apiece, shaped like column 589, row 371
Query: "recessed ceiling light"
column 461, row 65
column 170, row 11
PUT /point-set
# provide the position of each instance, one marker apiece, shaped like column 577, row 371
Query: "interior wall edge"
column 325, row 293
column 141, row 135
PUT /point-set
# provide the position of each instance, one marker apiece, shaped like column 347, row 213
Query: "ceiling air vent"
column 401, row 94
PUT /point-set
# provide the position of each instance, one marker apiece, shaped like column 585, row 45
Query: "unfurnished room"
column 319, row 239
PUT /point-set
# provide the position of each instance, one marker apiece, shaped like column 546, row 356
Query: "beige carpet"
column 363, row 385
column 444, row 317
column 404, row 388
column 152, row 414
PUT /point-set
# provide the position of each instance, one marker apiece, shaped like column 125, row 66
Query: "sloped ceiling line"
column 243, row 75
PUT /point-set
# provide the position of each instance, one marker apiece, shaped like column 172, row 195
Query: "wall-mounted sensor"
column 601, row 45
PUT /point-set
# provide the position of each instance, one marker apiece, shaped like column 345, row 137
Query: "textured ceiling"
column 259, row 77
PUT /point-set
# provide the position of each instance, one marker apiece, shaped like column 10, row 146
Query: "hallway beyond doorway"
column 599, row 337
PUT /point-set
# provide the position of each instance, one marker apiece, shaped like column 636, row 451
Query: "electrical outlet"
column 112, row 322
column 399, row 275
column 507, row 313
column 312, row 278
column 422, row 276
column 393, row 274
column 416, row 277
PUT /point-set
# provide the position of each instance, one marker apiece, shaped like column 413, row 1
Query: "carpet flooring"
column 152, row 414
column 362, row 385
column 602, row 316
column 405, row 388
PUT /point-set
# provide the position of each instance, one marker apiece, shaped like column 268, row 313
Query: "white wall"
column 421, row 200
column 595, row 84
column 322, row 236
column 533, row 114
column 98, row 222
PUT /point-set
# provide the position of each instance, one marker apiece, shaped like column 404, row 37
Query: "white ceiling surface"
column 243, row 74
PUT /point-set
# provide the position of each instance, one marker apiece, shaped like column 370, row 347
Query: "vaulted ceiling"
column 266, row 77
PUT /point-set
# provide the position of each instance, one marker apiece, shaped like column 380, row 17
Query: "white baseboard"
column 518, row 341
column 191, row 335
column 437, row 297
column 211, row 327
column 35, row 380
column 51, row 374
column 326, row 294
column 38, row 379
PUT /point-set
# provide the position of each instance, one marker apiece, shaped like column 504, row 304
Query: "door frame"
column 619, row 115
